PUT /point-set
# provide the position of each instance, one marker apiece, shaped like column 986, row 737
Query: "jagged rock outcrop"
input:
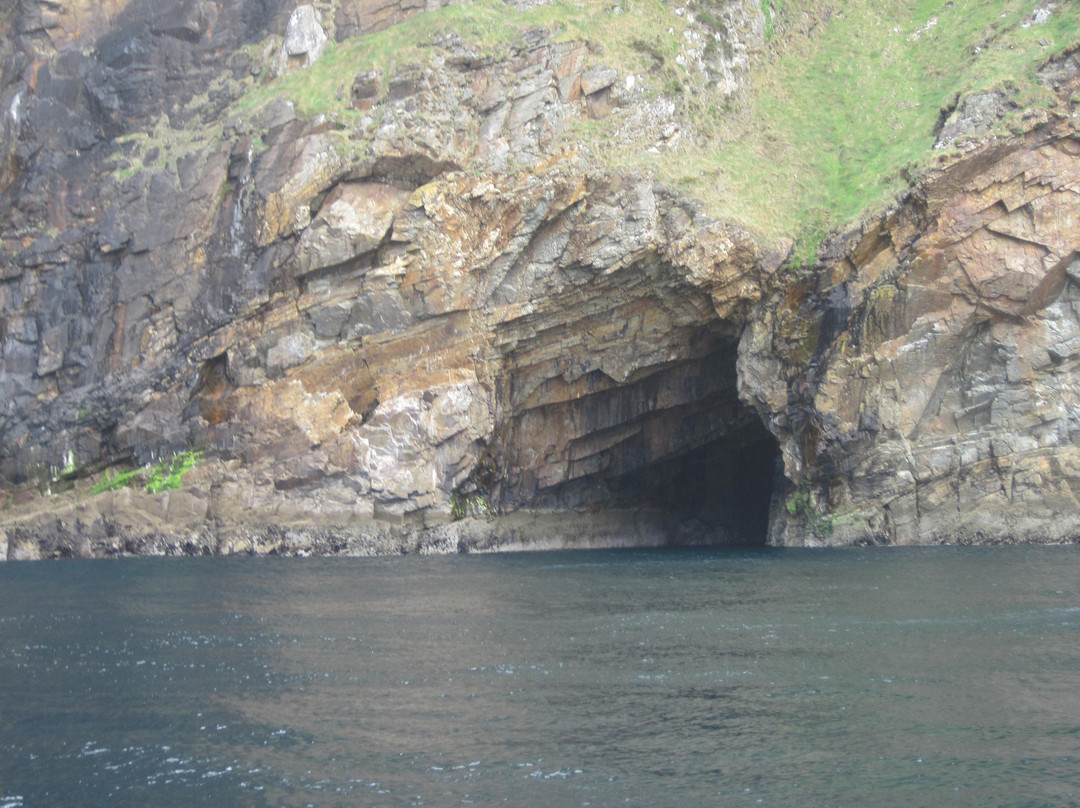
column 440, row 305
column 924, row 384
column 367, row 329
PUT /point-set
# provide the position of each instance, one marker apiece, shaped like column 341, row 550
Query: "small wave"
column 558, row 774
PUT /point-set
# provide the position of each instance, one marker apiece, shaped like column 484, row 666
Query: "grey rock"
column 327, row 321
column 54, row 344
column 354, row 219
column 365, row 88
column 305, row 39
column 376, row 313
column 288, row 352
column 597, row 78
column 977, row 114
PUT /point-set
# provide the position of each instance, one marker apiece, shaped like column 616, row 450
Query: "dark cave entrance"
column 673, row 439
column 720, row 493
column 708, row 462
column 641, row 414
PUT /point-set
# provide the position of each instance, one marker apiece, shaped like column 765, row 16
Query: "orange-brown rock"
column 930, row 395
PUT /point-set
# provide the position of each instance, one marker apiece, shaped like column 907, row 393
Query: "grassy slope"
column 490, row 25
column 845, row 99
column 841, row 114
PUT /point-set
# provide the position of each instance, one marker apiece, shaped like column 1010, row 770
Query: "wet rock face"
column 96, row 70
column 925, row 389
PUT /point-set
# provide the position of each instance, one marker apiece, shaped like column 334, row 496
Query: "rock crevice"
column 926, row 392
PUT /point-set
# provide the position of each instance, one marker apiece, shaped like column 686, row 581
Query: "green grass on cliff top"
column 840, row 116
column 492, row 27
column 846, row 93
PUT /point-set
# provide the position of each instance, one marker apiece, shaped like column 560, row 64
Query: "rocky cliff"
column 923, row 385
column 389, row 282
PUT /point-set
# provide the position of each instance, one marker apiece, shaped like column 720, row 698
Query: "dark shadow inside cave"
column 671, row 437
column 719, row 493
column 675, row 439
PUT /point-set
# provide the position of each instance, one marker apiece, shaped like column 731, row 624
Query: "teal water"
column 871, row 677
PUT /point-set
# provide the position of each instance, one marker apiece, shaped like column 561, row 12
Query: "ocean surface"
column 863, row 678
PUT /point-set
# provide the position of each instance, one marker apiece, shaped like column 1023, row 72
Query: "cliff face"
column 440, row 303
column 924, row 384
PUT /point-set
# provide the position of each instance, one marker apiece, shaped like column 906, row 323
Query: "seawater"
column 871, row 677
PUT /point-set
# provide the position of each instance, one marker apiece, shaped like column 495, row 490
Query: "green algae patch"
column 165, row 476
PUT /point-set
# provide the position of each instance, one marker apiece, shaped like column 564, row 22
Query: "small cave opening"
column 208, row 393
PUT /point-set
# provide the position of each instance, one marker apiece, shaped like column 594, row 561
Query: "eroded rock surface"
column 925, row 385
column 441, row 306
column 368, row 330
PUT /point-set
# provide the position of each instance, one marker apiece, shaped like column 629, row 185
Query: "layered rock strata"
column 441, row 307
column 924, row 384
column 368, row 331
